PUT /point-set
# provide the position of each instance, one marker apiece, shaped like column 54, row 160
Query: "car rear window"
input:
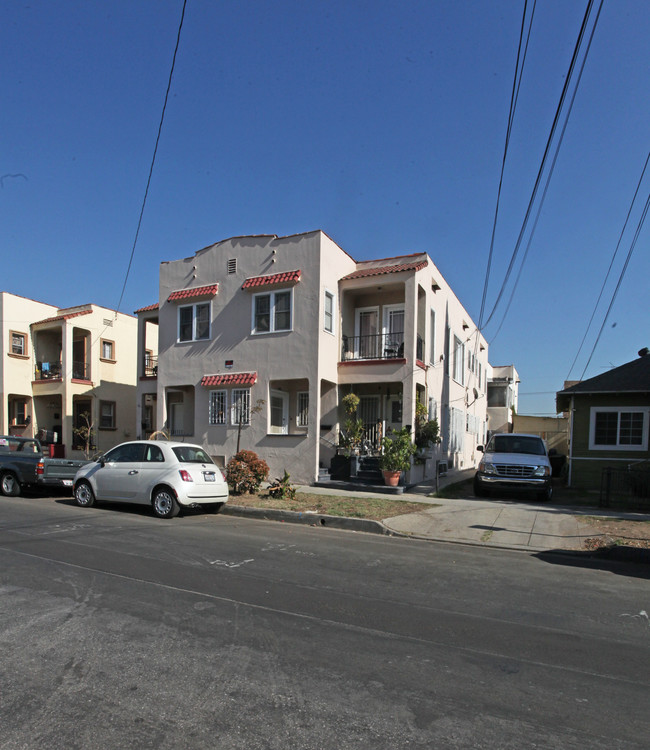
column 190, row 454
column 516, row 444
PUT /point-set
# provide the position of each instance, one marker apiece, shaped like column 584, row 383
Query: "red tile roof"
column 230, row 378
column 197, row 291
column 288, row 277
column 146, row 309
column 380, row 270
column 65, row 316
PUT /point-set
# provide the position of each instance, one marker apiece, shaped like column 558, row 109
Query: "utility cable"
column 155, row 151
column 620, row 279
column 550, row 173
column 544, row 157
column 602, row 289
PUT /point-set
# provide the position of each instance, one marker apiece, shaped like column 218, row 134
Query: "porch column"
column 410, row 340
column 66, row 377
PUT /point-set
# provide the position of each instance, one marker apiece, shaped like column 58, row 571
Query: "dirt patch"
column 616, row 532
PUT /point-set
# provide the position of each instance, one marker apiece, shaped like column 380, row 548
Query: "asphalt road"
column 118, row 630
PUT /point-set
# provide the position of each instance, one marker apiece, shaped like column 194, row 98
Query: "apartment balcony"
column 47, row 371
column 150, row 366
column 380, row 346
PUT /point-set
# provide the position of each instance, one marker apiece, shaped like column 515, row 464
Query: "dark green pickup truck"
column 24, row 465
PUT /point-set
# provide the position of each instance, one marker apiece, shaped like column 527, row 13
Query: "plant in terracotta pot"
column 397, row 450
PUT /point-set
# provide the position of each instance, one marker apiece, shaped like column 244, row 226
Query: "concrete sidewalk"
column 497, row 522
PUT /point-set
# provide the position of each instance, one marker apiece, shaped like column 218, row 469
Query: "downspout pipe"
column 570, row 443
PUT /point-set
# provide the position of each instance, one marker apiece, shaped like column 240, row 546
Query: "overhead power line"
column 620, row 279
column 551, row 170
column 547, row 149
column 153, row 159
column 602, row 289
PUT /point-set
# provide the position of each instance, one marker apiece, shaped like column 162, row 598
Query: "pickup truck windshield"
column 516, row 444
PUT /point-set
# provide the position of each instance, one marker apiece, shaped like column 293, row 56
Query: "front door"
column 279, row 413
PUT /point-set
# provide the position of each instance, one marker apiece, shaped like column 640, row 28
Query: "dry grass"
column 373, row 508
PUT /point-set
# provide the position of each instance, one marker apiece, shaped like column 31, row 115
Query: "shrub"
column 246, row 472
column 282, row 488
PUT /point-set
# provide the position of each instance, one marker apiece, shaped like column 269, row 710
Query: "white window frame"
column 373, row 351
column 107, row 344
column 18, row 335
column 458, row 365
column 194, row 308
column 643, row 446
column 235, row 395
column 302, row 409
column 272, row 312
column 218, row 407
column 111, row 414
column 329, row 295
column 432, row 336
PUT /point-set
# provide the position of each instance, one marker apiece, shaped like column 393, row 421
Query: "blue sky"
column 381, row 123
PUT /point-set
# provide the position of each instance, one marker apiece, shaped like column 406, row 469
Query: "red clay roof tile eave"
column 66, row 316
column 285, row 277
column 148, row 308
column 382, row 270
column 207, row 290
column 230, row 378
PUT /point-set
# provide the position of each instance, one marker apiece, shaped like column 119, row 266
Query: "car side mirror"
column 480, row 448
column 101, row 461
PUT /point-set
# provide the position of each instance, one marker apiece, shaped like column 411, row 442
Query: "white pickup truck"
column 514, row 462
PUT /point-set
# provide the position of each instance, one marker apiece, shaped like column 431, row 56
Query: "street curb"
column 615, row 554
column 309, row 519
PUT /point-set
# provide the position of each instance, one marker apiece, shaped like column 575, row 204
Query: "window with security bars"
column 303, row 409
column 217, row 407
column 240, row 408
column 619, row 429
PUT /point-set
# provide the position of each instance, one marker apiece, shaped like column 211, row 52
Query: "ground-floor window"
column 618, row 428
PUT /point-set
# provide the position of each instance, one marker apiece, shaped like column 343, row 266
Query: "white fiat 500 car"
column 165, row 475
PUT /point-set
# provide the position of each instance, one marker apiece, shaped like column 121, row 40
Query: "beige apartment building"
column 255, row 341
column 59, row 364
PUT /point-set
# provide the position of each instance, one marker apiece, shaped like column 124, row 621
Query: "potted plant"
column 397, row 450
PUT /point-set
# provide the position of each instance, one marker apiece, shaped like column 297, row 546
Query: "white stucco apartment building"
column 293, row 324
column 60, row 363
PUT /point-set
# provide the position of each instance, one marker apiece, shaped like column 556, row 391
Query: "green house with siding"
column 609, row 421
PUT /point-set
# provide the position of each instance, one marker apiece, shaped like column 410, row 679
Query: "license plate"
column 67, row 482
column 208, row 476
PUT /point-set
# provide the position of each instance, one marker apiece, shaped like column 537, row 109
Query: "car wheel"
column 164, row 504
column 213, row 507
column 84, row 495
column 479, row 491
column 10, row 485
column 546, row 494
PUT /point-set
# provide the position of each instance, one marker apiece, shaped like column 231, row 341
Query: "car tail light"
column 40, row 468
column 185, row 475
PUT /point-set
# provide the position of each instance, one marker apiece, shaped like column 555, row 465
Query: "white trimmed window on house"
column 272, row 312
column 107, row 415
column 459, row 361
column 302, row 418
column 218, row 407
column 328, row 322
column 618, row 428
column 432, row 337
column 240, row 407
column 194, row 322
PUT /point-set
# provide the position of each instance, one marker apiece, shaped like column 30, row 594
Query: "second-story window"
column 108, row 350
column 272, row 312
column 194, row 322
column 459, row 361
column 328, row 323
column 18, row 343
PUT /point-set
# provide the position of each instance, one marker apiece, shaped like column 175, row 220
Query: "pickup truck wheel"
column 84, row 495
column 9, row 484
column 546, row 494
column 164, row 504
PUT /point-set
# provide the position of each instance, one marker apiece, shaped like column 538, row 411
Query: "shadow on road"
column 623, row 561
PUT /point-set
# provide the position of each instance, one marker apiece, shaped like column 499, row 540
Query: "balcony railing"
column 80, row 371
column 47, row 371
column 376, row 346
column 151, row 366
